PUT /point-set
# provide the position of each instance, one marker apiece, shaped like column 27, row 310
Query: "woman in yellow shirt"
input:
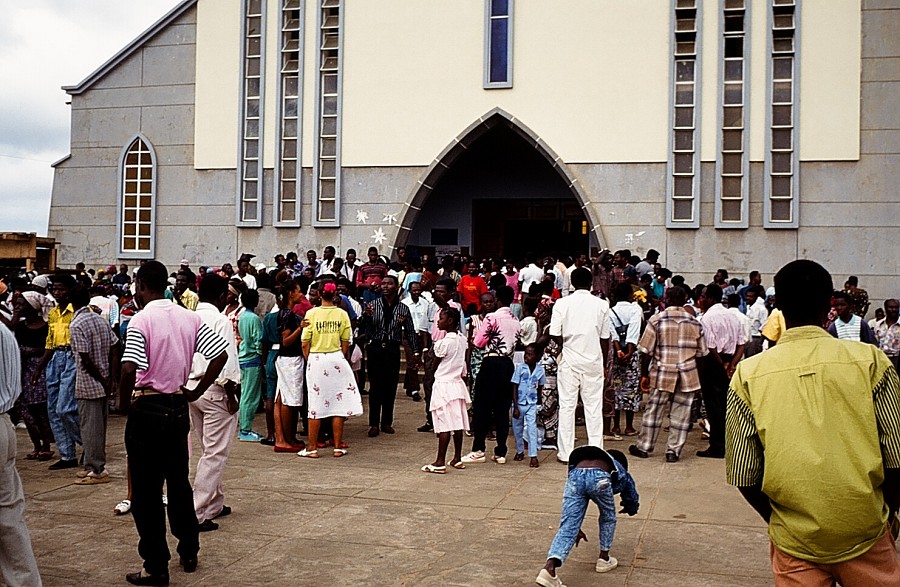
column 331, row 386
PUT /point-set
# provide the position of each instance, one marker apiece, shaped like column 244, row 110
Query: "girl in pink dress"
column 449, row 394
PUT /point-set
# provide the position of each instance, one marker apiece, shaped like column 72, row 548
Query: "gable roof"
column 129, row 49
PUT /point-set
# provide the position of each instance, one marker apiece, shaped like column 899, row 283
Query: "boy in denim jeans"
column 594, row 475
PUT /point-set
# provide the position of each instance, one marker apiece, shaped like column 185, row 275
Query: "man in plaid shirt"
column 94, row 345
column 674, row 340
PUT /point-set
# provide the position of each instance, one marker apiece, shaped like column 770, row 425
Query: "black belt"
column 385, row 343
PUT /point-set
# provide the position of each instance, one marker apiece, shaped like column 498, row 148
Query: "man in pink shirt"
column 725, row 340
column 494, row 390
column 159, row 349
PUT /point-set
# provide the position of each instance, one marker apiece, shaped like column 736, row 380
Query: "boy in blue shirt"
column 594, row 475
column 528, row 380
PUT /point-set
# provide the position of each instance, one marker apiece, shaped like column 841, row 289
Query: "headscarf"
column 39, row 302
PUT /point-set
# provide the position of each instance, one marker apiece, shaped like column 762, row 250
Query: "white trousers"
column 17, row 564
column 215, row 429
column 570, row 384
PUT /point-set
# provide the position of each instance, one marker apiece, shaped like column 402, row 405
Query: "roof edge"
column 61, row 160
column 130, row 48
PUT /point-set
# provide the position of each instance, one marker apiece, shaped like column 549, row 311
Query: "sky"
column 45, row 44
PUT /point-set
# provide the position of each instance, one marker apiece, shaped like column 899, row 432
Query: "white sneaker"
column 474, row 457
column 606, row 566
column 499, row 460
column 545, row 579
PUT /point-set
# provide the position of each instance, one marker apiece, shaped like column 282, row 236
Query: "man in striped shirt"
column 813, row 444
column 387, row 323
column 159, row 350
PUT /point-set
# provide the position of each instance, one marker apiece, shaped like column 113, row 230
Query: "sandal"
column 433, row 469
column 339, row 452
column 33, row 455
column 45, row 455
column 457, row 464
column 309, row 454
column 123, row 507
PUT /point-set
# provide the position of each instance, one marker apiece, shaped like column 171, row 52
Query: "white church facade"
column 723, row 133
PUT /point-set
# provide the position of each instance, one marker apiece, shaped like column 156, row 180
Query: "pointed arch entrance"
column 498, row 189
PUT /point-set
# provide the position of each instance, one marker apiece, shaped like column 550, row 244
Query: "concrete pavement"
column 372, row 518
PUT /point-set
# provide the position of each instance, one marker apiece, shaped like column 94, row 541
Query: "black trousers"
column 714, row 383
column 156, row 440
column 493, row 400
column 384, row 375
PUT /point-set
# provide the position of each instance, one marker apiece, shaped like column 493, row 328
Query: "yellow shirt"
column 190, row 300
column 816, row 420
column 58, row 326
column 774, row 327
column 328, row 327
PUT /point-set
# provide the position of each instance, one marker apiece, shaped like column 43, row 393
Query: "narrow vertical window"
column 327, row 176
column 290, row 83
column 781, row 162
column 498, row 39
column 137, row 203
column 683, row 183
column 732, row 161
column 250, row 168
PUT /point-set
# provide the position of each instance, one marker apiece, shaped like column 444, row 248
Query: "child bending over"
column 594, row 475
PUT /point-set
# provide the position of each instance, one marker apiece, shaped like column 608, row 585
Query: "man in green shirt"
column 250, row 358
column 813, row 443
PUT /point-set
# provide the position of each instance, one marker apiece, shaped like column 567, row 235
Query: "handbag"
column 621, row 329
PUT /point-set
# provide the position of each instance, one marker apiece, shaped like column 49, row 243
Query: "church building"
column 723, row 133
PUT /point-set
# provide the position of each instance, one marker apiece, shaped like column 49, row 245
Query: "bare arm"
column 757, row 500
column 94, row 371
column 48, row 354
column 212, row 373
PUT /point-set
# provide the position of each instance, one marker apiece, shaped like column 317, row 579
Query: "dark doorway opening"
column 503, row 198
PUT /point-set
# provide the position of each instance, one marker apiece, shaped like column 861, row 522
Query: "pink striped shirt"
column 161, row 340
column 722, row 329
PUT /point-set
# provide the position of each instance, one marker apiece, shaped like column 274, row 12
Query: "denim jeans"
column 61, row 405
column 156, row 441
column 525, row 428
column 582, row 486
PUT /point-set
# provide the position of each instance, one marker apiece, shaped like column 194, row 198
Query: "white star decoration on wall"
column 379, row 237
column 362, row 216
column 389, row 218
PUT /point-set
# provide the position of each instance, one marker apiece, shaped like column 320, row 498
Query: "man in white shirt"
column 757, row 313
column 646, row 266
column 17, row 563
column 580, row 261
column 580, row 325
column 418, row 309
column 326, row 262
column 531, row 274
column 244, row 272
column 214, row 416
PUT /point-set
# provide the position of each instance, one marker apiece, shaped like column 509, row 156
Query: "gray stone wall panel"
column 879, row 33
column 622, row 182
column 180, row 32
column 881, row 69
column 108, row 127
column 126, row 75
column 169, row 65
column 880, row 142
column 131, row 97
column 874, row 178
column 877, row 99
column 85, row 187
column 168, row 125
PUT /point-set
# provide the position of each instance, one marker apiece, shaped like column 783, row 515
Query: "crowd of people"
column 536, row 345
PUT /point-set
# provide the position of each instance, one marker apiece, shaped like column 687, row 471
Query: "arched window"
column 137, row 200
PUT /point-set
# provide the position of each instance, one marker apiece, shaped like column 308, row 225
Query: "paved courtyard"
column 372, row 518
